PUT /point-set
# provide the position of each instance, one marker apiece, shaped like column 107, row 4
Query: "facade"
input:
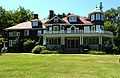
column 72, row 33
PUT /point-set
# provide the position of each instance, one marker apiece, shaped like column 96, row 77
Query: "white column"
column 81, row 40
column 44, row 40
column 100, row 39
column 62, row 40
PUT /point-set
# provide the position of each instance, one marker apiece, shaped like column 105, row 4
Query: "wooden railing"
column 78, row 32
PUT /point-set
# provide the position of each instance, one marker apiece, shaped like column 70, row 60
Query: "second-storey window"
column 34, row 23
column 97, row 27
column 55, row 19
column 102, row 17
column 39, row 32
column 26, row 32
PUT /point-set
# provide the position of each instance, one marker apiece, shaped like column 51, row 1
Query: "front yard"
column 59, row 66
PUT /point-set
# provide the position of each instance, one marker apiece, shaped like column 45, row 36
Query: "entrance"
column 72, row 42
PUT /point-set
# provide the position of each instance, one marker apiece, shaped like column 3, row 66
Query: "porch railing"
column 78, row 32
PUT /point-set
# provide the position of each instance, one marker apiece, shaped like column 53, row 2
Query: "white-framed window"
column 97, row 27
column 26, row 32
column 55, row 29
column 50, row 29
column 62, row 29
column 92, row 17
column 34, row 23
column 102, row 27
column 12, row 42
column 97, row 16
column 72, row 19
column 14, row 34
column 86, row 28
column 68, row 30
column 55, row 19
column 102, row 17
column 39, row 32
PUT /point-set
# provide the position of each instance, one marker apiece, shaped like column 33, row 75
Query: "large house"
column 72, row 33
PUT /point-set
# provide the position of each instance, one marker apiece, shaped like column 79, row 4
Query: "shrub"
column 48, row 52
column 96, row 52
column 28, row 45
column 38, row 49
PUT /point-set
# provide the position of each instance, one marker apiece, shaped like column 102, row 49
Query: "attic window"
column 56, row 20
column 34, row 23
column 72, row 19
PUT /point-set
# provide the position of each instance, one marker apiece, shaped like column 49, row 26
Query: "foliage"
column 49, row 52
column 38, row 49
column 28, row 45
column 11, row 18
column 96, row 52
column 112, row 23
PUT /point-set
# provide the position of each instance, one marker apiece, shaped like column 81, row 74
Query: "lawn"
column 59, row 66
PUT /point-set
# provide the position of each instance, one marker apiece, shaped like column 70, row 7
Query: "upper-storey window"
column 97, row 16
column 97, row 27
column 34, row 23
column 14, row 34
column 39, row 32
column 92, row 17
column 102, row 17
column 55, row 19
column 72, row 19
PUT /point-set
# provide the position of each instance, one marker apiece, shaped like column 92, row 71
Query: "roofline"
column 25, row 29
column 68, row 24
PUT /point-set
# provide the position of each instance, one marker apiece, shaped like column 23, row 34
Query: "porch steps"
column 71, row 51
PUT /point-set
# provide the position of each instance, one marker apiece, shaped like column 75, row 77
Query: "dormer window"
column 34, row 23
column 56, row 20
column 97, row 16
column 72, row 19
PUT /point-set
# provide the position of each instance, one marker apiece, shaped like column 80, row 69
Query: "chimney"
column 35, row 16
column 51, row 14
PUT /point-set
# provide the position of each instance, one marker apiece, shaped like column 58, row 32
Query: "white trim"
column 54, row 17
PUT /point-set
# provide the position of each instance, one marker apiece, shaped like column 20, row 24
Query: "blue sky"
column 42, row 7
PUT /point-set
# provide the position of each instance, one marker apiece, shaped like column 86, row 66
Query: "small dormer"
column 73, row 19
column 36, row 23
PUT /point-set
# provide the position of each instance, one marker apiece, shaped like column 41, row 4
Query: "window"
column 55, row 28
column 97, row 27
column 102, row 17
column 61, row 28
column 86, row 28
column 102, row 27
column 34, row 23
column 56, row 20
column 50, row 29
column 14, row 34
column 97, row 16
column 92, row 17
column 12, row 42
column 39, row 32
column 68, row 30
column 26, row 32
column 72, row 19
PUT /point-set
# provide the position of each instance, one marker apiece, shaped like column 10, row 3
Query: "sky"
column 42, row 7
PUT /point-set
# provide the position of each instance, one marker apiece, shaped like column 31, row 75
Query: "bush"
column 48, row 52
column 28, row 45
column 96, row 52
column 38, row 49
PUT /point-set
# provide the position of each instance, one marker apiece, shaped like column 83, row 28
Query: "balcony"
column 78, row 32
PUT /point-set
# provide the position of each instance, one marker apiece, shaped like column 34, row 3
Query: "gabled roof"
column 24, row 25
column 47, row 22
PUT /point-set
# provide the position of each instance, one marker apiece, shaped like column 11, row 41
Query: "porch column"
column 44, row 40
column 62, row 40
column 100, row 39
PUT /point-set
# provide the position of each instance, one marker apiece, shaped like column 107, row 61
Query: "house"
column 72, row 33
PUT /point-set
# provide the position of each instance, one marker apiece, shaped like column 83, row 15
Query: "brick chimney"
column 51, row 14
column 35, row 16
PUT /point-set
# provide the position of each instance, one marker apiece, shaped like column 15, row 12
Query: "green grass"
column 59, row 66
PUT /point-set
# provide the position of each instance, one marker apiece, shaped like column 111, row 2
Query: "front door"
column 72, row 42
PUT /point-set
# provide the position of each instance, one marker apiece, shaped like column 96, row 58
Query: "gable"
column 55, row 20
